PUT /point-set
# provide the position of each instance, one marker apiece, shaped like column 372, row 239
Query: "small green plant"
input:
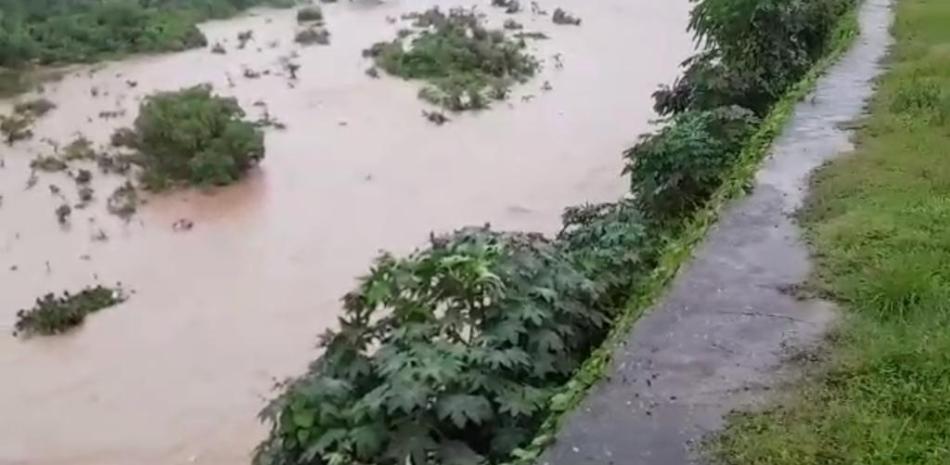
column 459, row 58
column 80, row 148
column 447, row 356
column 16, row 127
column 36, row 107
column 192, row 136
column 676, row 169
column 48, row 163
column 562, row 17
column 313, row 35
column 54, row 315
column 308, row 14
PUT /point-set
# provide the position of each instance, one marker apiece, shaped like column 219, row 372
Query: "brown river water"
column 177, row 373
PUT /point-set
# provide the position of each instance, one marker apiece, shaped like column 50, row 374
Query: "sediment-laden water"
column 178, row 372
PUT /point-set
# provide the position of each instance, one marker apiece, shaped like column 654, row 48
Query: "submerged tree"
column 192, row 136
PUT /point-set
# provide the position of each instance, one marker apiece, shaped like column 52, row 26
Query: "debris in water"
column 79, row 149
column 83, row 176
column 244, row 37
column 54, row 315
column 132, row 84
column 183, row 224
column 55, row 190
column 372, row 72
column 16, row 127
column 435, row 117
column 512, row 25
column 251, row 74
column 558, row 63
column 48, row 164
column 536, row 35
column 85, row 196
column 62, row 213
column 313, row 35
column 100, row 236
column 35, row 108
column 546, row 86
column 536, row 9
column 562, row 17
column 31, row 181
column 218, row 49
column 124, row 201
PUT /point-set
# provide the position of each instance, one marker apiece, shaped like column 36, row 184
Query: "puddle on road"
column 178, row 373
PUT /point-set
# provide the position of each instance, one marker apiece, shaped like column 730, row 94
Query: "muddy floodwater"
column 177, row 373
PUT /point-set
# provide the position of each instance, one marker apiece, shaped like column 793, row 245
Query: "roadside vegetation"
column 464, row 64
column 69, row 31
column 879, row 222
column 467, row 351
column 191, row 136
column 54, row 315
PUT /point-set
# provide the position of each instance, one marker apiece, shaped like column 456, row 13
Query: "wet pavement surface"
column 717, row 341
column 232, row 286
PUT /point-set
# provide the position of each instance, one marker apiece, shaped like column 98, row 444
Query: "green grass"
column 879, row 222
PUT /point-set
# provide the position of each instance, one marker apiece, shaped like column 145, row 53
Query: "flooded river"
column 178, row 373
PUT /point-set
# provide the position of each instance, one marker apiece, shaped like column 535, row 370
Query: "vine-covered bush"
column 753, row 51
column 192, row 136
column 676, row 169
column 447, row 356
column 465, row 63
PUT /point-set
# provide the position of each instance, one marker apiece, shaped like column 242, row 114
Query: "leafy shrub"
column 676, row 169
column 192, row 136
column 54, row 315
column 36, row 107
column 921, row 99
column 313, row 35
column 753, row 50
column 612, row 244
column 68, row 31
column 460, row 59
column 16, row 127
column 310, row 13
column 447, row 356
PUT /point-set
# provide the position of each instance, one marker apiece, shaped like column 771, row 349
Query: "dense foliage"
column 675, row 169
column 192, row 136
column 465, row 63
column 753, row 50
column 63, row 31
column 453, row 355
column 54, row 315
column 449, row 353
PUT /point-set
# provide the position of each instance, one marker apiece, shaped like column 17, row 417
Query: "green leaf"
column 463, row 408
column 410, row 442
column 325, row 441
column 368, row 439
column 458, row 453
column 304, row 417
column 407, row 396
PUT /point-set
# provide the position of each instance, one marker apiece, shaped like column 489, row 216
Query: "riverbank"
column 719, row 338
column 221, row 310
column 879, row 222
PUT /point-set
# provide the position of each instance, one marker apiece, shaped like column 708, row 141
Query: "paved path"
column 718, row 339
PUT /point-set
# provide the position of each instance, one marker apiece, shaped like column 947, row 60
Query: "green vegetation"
column 54, row 315
column 192, row 136
column 464, row 63
column 313, row 35
column 310, row 14
column 754, row 51
column 70, row 31
column 879, row 222
column 467, row 352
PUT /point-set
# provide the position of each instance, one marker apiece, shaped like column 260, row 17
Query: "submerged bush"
column 310, row 13
column 460, row 59
column 447, row 356
column 676, row 169
column 192, row 136
column 54, row 315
